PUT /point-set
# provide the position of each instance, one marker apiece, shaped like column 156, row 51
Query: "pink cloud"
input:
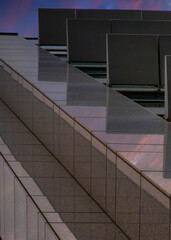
column 140, row 4
column 132, row 4
column 154, row 6
column 96, row 3
column 70, row 4
column 14, row 13
column 10, row 22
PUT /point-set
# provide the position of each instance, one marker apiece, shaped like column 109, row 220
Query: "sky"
column 21, row 16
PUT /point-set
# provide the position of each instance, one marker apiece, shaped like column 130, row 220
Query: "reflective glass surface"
column 83, row 150
column 42, row 199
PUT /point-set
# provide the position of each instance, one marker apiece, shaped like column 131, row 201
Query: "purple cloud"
column 140, row 4
column 14, row 14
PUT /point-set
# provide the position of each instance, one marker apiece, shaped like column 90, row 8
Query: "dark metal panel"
column 87, row 40
column 156, row 15
column 168, row 88
column 52, row 25
column 108, row 14
column 164, row 49
column 141, row 27
column 132, row 59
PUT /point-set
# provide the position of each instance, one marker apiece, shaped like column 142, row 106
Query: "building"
column 78, row 159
